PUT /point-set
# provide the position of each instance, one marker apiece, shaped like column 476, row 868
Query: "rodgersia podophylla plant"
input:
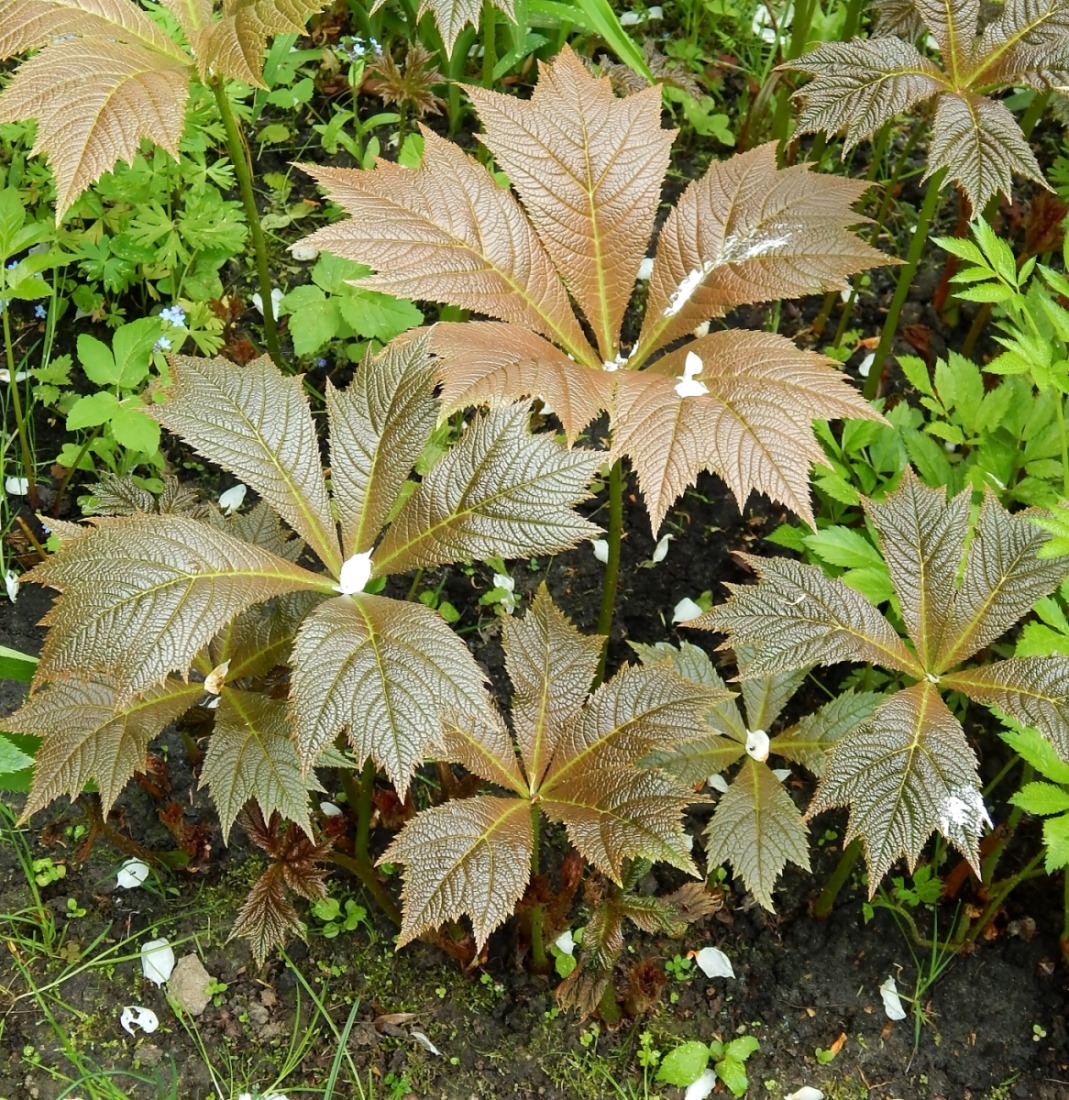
column 908, row 770
column 564, row 248
column 161, row 611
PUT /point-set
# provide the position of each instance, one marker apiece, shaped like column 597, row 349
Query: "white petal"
column 892, row 1003
column 503, row 580
column 806, row 1092
column 701, row 1088
column 601, row 550
column 565, row 942
column 713, row 963
column 328, row 809
column 135, row 1016
column 11, row 583
column 631, row 19
column 686, row 610
column 304, row 253
column 132, row 873
column 20, row 376
column 426, row 1043
column 17, row 486
column 157, row 960
column 233, row 498
column 215, row 681
column 688, row 840
column 355, row 574
column 844, row 294
column 692, row 365
column 660, row 551
column 865, row 365
column 702, row 329
column 757, row 745
column 782, row 774
column 691, row 387
column 645, row 269
column 718, row 783
column 655, row 13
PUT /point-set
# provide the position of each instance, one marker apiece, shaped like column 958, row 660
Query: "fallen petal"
column 135, row 1016
column 601, row 550
column 713, row 963
column 11, row 583
column 157, row 960
column 686, row 610
column 701, row 1088
column 892, row 1003
column 806, row 1092
column 17, row 486
column 426, row 1043
column 231, row 500
column 132, row 873
column 757, row 745
column 565, row 942
column 718, row 783
column 330, row 810
column 660, row 551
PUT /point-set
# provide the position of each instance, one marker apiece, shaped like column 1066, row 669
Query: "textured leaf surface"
column 387, row 673
column 922, row 537
column 234, row 45
column 95, row 99
column 811, row 739
column 751, row 232
column 818, row 620
column 378, row 429
column 142, row 595
column 88, row 733
column 1002, row 581
column 615, row 813
column 267, row 919
column 863, row 84
column 551, row 666
column 1032, row 690
column 485, row 362
column 452, row 16
column 500, row 491
column 980, row 144
column 758, row 830
column 907, row 773
column 588, row 168
column 753, row 428
column 30, row 24
column 445, row 232
column 252, row 755
column 255, row 423
column 1027, row 43
column 469, row 857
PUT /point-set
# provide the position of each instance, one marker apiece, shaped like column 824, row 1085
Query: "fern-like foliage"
column 571, row 756
column 908, row 770
column 756, row 826
column 860, row 85
column 107, row 76
column 148, row 598
column 587, row 169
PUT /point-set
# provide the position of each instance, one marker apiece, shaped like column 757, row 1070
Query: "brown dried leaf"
column 267, row 919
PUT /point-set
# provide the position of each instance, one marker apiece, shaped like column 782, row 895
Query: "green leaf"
column 135, row 430
column 376, row 316
column 15, row 665
column 92, row 411
column 733, row 1073
column 12, row 759
column 1041, row 799
column 844, row 547
column 684, row 1065
column 1056, row 840
column 1032, row 747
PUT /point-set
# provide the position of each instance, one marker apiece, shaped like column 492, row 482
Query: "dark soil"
column 996, row 1020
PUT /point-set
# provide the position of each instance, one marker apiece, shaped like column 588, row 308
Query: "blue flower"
column 162, row 344
column 40, row 312
column 173, row 315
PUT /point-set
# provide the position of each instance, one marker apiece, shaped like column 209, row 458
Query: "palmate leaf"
column 385, row 672
column 252, row 756
column 811, row 739
column 909, row 770
column 473, row 856
column 452, row 16
column 587, row 169
column 256, row 423
column 89, row 732
column 906, row 774
column 859, row 86
column 500, row 491
column 267, row 919
column 142, row 595
column 758, row 830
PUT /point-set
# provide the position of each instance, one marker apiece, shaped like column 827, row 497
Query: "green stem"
column 489, row 29
column 363, row 812
column 539, row 960
column 72, row 469
column 1065, row 909
column 28, row 469
column 612, row 566
column 239, row 154
column 905, row 280
column 822, row 907
column 1031, row 869
column 370, row 881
